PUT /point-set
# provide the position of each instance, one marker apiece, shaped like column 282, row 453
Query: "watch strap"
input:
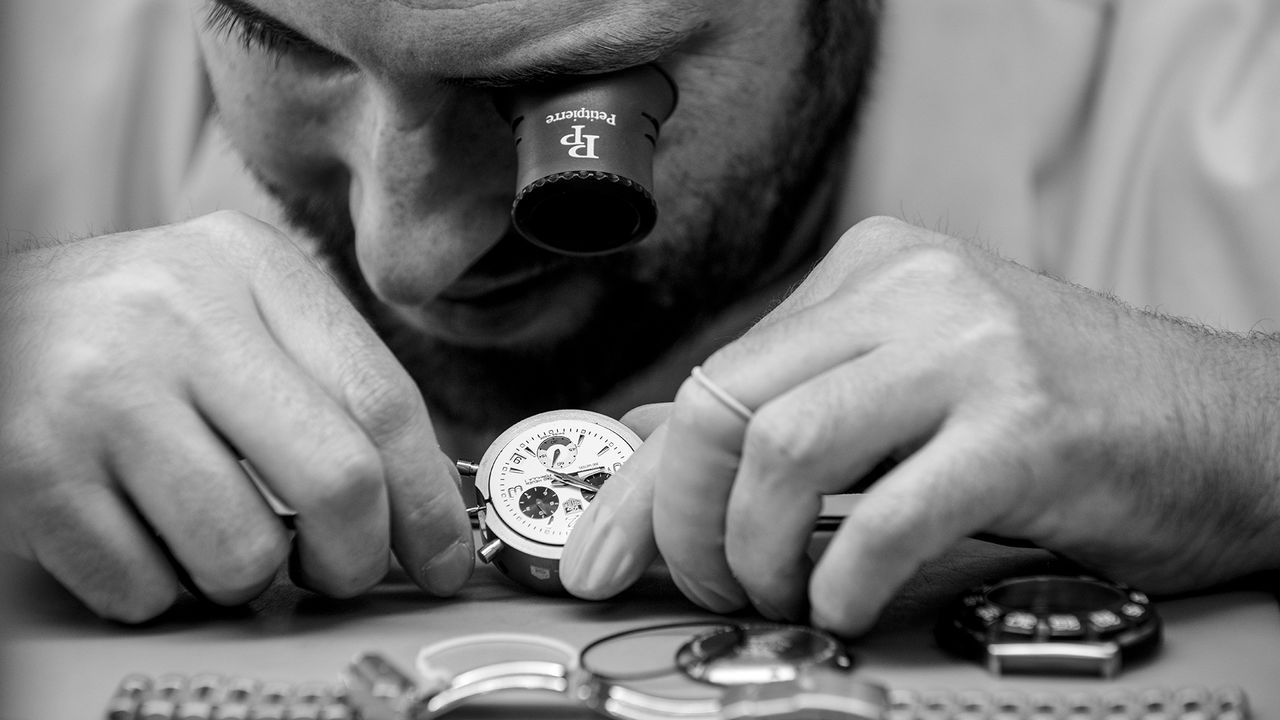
column 833, row 696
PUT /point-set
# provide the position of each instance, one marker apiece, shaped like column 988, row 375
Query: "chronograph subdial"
column 539, row 502
column 557, row 452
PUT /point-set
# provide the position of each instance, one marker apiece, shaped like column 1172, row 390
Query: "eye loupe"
column 584, row 148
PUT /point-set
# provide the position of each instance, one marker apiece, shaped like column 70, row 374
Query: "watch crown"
column 490, row 550
column 466, row 467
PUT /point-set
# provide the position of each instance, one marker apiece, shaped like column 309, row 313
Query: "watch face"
column 546, row 470
column 1051, row 623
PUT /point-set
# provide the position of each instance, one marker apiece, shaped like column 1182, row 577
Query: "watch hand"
column 572, row 481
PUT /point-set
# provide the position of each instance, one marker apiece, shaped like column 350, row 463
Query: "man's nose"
column 431, row 189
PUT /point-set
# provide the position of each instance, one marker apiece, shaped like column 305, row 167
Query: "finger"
column 310, row 453
column 694, row 475
column 612, row 543
column 646, row 418
column 91, row 542
column 321, row 331
column 945, row 491
column 816, row 439
column 429, row 525
column 191, row 490
column 772, row 358
column 701, row 459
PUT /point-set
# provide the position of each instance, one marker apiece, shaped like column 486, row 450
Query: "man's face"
column 373, row 122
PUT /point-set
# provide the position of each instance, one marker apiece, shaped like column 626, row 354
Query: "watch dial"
column 543, row 478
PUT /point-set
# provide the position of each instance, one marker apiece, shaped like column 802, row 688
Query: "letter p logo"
column 580, row 146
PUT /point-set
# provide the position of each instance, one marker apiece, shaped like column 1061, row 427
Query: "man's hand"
column 139, row 368
column 1013, row 404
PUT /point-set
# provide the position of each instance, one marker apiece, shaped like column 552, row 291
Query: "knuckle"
column 784, row 439
column 385, row 404
column 240, row 237
column 86, row 374
column 349, row 475
column 148, row 296
column 694, row 406
column 878, row 243
column 877, row 234
column 146, row 282
column 928, row 266
column 442, row 510
column 156, row 296
column 233, row 220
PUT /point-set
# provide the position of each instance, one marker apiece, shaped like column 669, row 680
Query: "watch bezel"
column 995, row 623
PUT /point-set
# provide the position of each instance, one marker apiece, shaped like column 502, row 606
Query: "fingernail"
column 709, row 596
column 576, row 556
column 449, row 570
column 616, row 562
column 766, row 609
column 582, row 553
column 606, row 569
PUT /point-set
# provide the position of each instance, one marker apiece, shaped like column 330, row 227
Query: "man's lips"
column 511, row 268
column 474, row 289
column 535, row 304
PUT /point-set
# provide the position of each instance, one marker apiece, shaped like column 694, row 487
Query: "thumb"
column 646, row 418
column 612, row 544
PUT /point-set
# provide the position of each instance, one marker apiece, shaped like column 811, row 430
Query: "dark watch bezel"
column 1054, row 624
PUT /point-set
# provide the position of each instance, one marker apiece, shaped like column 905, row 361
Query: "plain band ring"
column 721, row 394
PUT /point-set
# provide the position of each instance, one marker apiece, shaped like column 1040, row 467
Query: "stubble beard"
column 660, row 291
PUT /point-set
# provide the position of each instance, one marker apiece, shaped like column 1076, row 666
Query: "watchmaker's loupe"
column 584, row 148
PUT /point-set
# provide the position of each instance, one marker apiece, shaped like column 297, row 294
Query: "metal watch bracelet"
column 373, row 689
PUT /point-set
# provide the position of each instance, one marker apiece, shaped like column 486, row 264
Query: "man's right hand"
column 139, row 368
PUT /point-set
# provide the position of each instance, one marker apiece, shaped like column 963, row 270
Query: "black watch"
column 1051, row 624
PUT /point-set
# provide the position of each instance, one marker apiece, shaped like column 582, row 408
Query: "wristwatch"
column 535, row 481
column 1051, row 623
